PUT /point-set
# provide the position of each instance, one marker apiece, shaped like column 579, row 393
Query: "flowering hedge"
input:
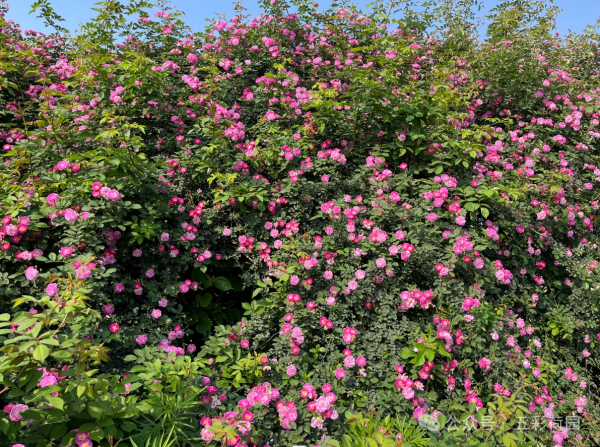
column 299, row 216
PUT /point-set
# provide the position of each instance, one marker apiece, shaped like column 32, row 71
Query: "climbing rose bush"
column 310, row 212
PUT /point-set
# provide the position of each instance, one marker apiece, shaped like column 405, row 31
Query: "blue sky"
column 575, row 16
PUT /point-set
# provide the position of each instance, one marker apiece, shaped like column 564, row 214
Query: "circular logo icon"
column 426, row 421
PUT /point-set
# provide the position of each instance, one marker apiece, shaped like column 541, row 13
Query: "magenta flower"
column 62, row 165
column 52, row 199
column 270, row 116
column 85, row 271
column 156, row 313
column 70, row 215
column 113, row 195
column 141, row 339
column 48, row 379
column 51, row 289
column 66, row 251
column 119, row 288
column 485, row 364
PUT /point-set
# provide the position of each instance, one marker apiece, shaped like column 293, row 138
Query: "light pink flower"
column 31, row 273
column 291, row 370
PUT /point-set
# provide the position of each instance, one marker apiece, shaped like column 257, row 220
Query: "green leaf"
column 204, row 300
column 429, row 354
column 508, row 442
column 106, row 409
column 88, row 426
column 485, row 212
column 222, row 283
column 56, row 402
column 471, row 206
column 15, row 393
column 204, row 324
column 79, row 405
column 80, row 390
column 128, row 426
column 58, row 431
column 97, row 435
column 406, row 353
column 442, row 420
column 41, row 352
column 94, row 410
column 62, row 355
